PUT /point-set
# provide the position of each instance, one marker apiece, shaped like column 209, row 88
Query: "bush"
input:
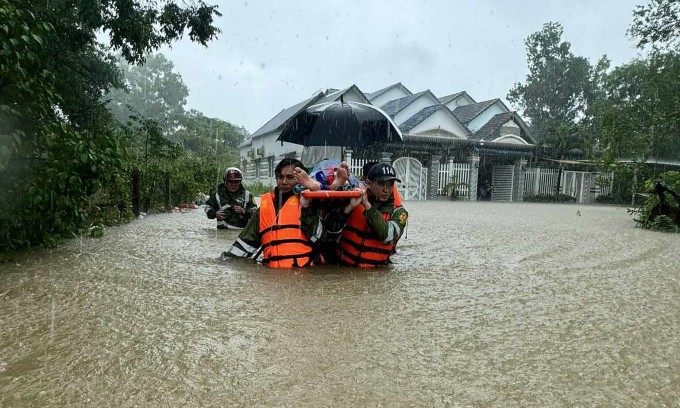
column 546, row 198
column 258, row 189
column 649, row 212
column 609, row 199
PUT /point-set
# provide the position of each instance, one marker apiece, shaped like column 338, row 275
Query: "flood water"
column 486, row 304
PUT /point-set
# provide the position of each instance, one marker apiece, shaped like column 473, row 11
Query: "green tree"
column 558, row 92
column 151, row 90
column 657, row 24
column 640, row 116
column 26, row 84
column 196, row 129
column 60, row 143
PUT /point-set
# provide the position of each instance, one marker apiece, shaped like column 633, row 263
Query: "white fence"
column 539, row 181
column 583, row 185
column 356, row 166
column 454, row 172
column 448, row 172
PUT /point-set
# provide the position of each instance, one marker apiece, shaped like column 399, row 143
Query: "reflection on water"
column 486, row 304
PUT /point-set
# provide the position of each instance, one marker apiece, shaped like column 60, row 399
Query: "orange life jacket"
column 357, row 245
column 397, row 197
column 283, row 243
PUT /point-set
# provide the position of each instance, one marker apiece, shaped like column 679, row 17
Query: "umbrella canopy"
column 339, row 123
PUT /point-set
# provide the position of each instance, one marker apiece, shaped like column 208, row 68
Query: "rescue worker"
column 231, row 203
column 376, row 221
column 278, row 230
column 364, row 174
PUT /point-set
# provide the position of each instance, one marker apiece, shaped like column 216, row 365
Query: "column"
column 433, row 176
column 518, row 182
column 474, row 177
column 348, row 159
column 386, row 157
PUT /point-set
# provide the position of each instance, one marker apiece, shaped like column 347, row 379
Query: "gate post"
column 386, row 157
column 348, row 157
column 518, row 187
column 474, row 177
column 433, row 182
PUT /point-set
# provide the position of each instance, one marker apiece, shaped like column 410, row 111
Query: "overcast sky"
column 271, row 55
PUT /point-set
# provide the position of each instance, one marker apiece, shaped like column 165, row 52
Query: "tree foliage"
column 166, row 139
column 151, row 90
column 639, row 117
column 658, row 214
column 558, row 89
column 59, row 143
column 657, row 24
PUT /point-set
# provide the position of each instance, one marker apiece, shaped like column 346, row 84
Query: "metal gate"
column 413, row 178
column 502, row 181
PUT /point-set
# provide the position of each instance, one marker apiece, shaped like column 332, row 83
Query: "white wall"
column 511, row 139
column 353, row 96
column 392, row 94
column 416, row 106
column 445, row 121
column 486, row 116
column 459, row 101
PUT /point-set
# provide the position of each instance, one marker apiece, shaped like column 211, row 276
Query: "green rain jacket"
column 247, row 243
column 224, row 200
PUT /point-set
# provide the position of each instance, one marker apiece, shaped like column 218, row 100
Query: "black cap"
column 382, row 172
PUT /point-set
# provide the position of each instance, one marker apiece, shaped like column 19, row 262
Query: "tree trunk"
column 135, row 193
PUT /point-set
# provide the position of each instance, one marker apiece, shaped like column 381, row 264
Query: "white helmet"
column 233, row 173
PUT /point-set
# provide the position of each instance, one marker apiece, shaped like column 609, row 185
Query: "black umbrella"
column 351, row 124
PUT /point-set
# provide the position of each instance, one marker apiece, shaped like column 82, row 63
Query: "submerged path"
column 487, row 304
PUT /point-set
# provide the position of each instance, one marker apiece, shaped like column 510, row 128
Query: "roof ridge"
column 379, row 92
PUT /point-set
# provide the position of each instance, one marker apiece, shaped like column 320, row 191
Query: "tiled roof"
column 278, row 120
column 333, row 95
column 416, row 119
column 397, row 105
column 467, row 113
column 379, row 92
column 448, row 98
column 491, row 129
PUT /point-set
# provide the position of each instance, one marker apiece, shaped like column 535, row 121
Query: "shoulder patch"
column 402, row 218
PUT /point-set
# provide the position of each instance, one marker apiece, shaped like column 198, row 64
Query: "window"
column 270, row 162
column 258, row 162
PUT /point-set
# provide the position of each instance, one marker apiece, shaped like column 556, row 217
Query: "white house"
column 441, row 135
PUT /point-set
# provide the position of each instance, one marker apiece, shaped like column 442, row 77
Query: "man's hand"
column 354, row 201
column 219, row 215
column 238, row 210
column 364, row 199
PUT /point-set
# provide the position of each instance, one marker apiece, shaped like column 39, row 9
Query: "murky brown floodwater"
column 486, row 305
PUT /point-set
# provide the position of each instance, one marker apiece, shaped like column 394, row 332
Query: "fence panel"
column 540, row 181
column 584, row 186
column 454, row 172
column 357, row 165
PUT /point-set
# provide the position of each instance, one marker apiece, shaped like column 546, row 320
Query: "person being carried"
column 326, row 175
column 325, row 215
column 231, row 204
column 375, row 222
column 277, row 230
